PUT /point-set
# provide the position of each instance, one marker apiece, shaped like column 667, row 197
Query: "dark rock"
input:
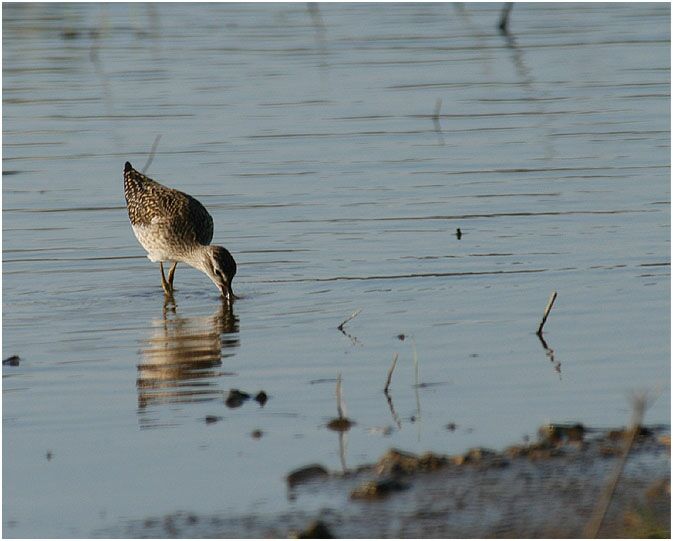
column 14, row 360
column 236, row 398
column 312, row 472
column 400, row 462
column 340, row 424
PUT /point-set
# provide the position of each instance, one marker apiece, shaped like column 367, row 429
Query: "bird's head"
column 220, row 267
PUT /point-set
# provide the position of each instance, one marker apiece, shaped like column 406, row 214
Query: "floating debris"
column 353, row 315
column 210, row 419
column 49, row 455
column 459, row 233
column 14, row 360
column 256, row 434
column 261, row 398
column 451, row 427
column 306, row 474
column 340, row 424
column 401, row 337
column 236, row 398
column 352, row 338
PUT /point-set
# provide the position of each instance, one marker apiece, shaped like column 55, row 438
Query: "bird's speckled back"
column 169, row 221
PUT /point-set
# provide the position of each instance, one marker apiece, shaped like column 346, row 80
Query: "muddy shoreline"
column 548, row 488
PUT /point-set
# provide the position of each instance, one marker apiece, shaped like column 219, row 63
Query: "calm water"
column 337, row 178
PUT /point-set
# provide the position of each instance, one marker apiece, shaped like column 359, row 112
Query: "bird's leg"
column 171, row 273
column 168, row 288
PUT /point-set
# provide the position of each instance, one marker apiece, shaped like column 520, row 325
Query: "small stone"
column 451, row 427
column 236, row 398
column 261, row 398
column 401, row 337
column 256, row 434
column 340, row 424
column 396, row 461
column 558, row 434
column 375, row 490
column 14, row 360
column 307, row 474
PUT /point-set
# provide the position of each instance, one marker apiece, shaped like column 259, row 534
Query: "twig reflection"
column 550, row 354
column 435, row 121
column 525, row 75
column 343, row 445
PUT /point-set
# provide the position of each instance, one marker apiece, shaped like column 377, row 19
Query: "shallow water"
column 314, row 140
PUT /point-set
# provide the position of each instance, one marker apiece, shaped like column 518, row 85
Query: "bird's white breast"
column 156, row 243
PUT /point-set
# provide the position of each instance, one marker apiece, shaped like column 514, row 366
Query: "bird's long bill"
column 227, row 292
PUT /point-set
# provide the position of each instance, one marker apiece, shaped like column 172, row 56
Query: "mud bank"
column 544, row 489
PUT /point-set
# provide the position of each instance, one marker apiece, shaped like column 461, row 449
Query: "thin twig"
column 435, row 121
column 416, row 387
column 340, row 410
column 152, row 152
column 640, row 402
column 415, row 355
column 390, row 373
column 396, row 417
column 341, row 325
column 342, row 449
column 550, row 353
column 550, row 303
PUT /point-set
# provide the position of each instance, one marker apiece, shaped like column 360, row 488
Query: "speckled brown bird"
column 173, row 226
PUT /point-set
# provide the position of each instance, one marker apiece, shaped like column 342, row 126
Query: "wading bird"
column 173, row 226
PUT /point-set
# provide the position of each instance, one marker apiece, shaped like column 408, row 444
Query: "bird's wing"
column 151, row 203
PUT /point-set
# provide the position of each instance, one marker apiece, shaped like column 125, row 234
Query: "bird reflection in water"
column 183, row 357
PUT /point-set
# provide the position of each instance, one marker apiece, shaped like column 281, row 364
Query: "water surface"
column 338, row 150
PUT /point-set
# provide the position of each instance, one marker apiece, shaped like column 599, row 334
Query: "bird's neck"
column 197, row 257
